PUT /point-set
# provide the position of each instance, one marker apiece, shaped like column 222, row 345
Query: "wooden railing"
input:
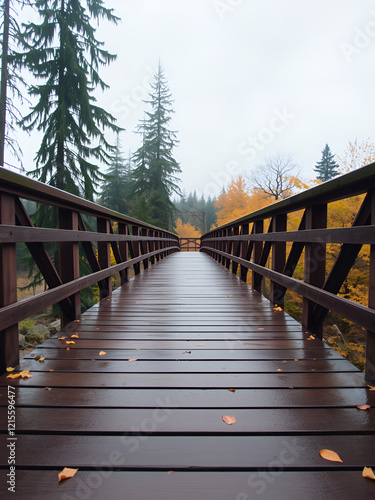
column 144, row 244
column 190, row 244
column 247, row 245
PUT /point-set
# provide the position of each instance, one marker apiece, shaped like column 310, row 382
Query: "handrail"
column 246, row 244
column 136, row 244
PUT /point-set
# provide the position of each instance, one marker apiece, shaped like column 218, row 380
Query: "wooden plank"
column 190, row 398
column 184, row 452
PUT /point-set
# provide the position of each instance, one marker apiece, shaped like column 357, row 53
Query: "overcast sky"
column 249, row 78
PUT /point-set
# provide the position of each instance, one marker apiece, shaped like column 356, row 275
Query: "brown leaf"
column 330, row 455
column 261, row 329
column 41, row 360
column 102, row 353
column 229, row 419
column 133, row 359
column 66, row 473
column 170, row 472
column 232, row 390
column 368, row 473
column 363, row 407
column 50, row 370
column 47, row 389
column 189, row 352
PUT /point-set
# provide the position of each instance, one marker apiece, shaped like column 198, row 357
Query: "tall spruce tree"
column 63, row 52
column 155, row 172
column 326, row 168
column 116, row 190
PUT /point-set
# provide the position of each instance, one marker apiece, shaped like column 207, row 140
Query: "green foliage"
column 25, row 326
column 326, row 168
column 63, row 52
column 155, row 172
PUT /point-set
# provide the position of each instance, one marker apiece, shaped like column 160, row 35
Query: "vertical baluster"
column 69, row 262
column 258, row 247
column 9, row 352
column 370, row 346
column 244, row 248
column 315, row 264
column 144, row 248
column 123, row 249
column 104, row 255
column 279, row 223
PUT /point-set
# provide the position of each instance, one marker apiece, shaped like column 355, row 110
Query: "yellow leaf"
column 279, row 370
column 61, row 338
column 74, row 337
column 229, row 419
column 330, row 455
column 70, row 342
column 368, row 473
column 371, row 388
column 50, row 370
column 102, row 353
column 278, row 309
column 14, row 375
column 66, row 473
column 10, row 369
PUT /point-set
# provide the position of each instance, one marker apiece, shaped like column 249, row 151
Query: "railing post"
column 151, row 246
column 144, row 248
column 104, row 255
column 9, row 350
column 235, row 249
column 157, row 246
column 258, row 247
column 134, row 252
column 315, row 265
column 123, row 249
column 244, row 248
column 279, row 223
column 69, row 262
column 370, row 345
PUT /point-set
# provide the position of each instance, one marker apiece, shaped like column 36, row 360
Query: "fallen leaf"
column 70, row 342
column 97, row 328
column 368, row 473
column 371, row 388
column 260, row 328
column 200, row 344
column 170, row 472
column 133, row 359
column 10, row 369
column 311, row 337
column 47, row 389
column 138, row 349
column 229, row 419
column 363, row 407
column 50, row 370
column 278, row 309
column 74, row 337
column 61, row 338
column 296, row 360
column 68, row 348
column 189, row 352
column 232, row 390
column 330, row 455
column 66, row 473
column 41, row 360
column 102, row 353
column 15, row 375
column 279, row 370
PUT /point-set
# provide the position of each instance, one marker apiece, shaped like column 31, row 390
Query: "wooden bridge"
column 134, row 393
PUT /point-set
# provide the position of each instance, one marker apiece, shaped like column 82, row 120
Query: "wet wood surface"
column 185, row 343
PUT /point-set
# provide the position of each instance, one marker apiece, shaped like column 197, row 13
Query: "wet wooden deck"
column 153, row 428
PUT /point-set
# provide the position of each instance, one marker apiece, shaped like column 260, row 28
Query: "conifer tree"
column 326, row 168
column 155, row 173
column 116, row 190
column 63, row 52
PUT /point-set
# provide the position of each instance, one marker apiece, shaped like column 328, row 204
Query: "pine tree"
column 326, row 168
column 116, row 190
column 155, row 168
column 63, row 52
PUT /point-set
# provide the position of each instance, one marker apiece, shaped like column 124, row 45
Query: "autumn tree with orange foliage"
column 186, row 230
column 237, row 201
